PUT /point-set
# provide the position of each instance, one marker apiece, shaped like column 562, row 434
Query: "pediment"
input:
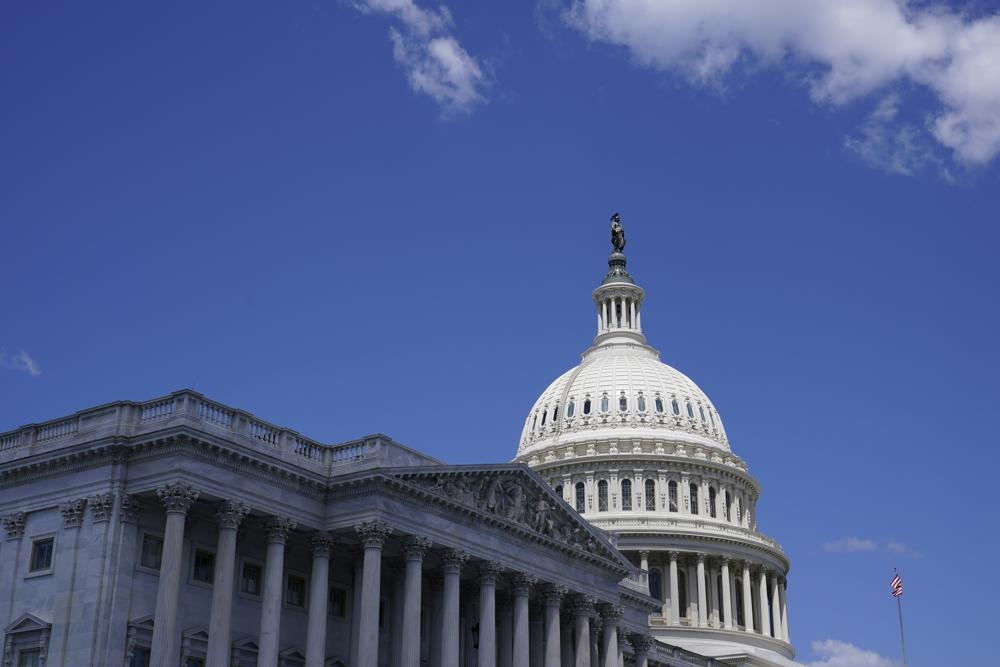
column 334, row 662
column 27, row 623
column 143, row 622
column 198, row 632
column 245, row 644
column 291, row 655
column 516, row 495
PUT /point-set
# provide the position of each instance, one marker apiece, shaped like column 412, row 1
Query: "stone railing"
column 675, row 525
column 189, row 408
column 637, row 581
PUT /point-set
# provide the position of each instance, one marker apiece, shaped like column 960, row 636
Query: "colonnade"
column 753, row 597
column 512, row 632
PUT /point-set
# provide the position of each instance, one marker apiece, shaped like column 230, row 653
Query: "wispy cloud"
column 848, row 49
column 435, row 63
column 887, row 144
column 21, row 361
column 835, row 653
column 849, row 545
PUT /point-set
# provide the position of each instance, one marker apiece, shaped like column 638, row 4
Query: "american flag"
column 896, row 586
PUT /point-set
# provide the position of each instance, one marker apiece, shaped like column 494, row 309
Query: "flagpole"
column 902, row 639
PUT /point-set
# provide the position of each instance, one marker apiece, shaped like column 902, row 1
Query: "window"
column 29, row 658
column 534, row 423
column 725, row 507
column 739, row 602
column 570, row 409
column 580, row 497
column 152, row 551
column 203, row 566
column 586, row 407
column 711, row 417
column 711, row 502
column 672, row 496
column 682, row 592
column 640, row 403
column 559, row 490
column 673, row 406
column 650, row 495
column 140, row 657
column 605, row 404
column 544, row 414
column 658, row 404
column 655, row 588
column 41, row 554
column 627, row 495
column 622, row 403
column 690, row 410
column 250, row 579
column 336, row 604
column 701, row 411
column 194, row 662
column 694, row 498
column 295, row 591
column 602, row 496
column 555, row 413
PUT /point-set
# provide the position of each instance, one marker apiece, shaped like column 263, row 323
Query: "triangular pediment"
column 334, row 662
column 27, row 623
column 292, row 655
column 516, row 494
column 198, row 632
column 143, row 622
column 245, row 644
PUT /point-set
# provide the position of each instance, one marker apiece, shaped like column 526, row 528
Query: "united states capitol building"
column 181, row 531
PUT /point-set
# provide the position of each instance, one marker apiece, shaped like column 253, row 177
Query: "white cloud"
column 434, row 61
column 835, row 653
column 21, row 361
column 883, row 143
column 900, row 549
column 850, row 47
column 851, row 545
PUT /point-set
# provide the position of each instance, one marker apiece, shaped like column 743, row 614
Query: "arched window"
column 627, row 495
column 581, row 497
column 725, row 508
column 559, row 490
column 739, row 602
column 570, row 409
column 682, row 592
column 711, row 502
column 690, row 409
column 622, row 403
column 658, row 404
column 534, row 422
column 641, row 403
column 555, row 413
column 605, row 406
column 711, row 417
column 673, row 406
column 544, row 413
column 655, row 587
column 701, row 411
column 672, row 496
column 602, row 496
column 586, row 407
column 693, row 489
column 650, row 495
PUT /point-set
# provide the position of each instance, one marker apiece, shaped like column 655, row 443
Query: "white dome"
column 660, row 402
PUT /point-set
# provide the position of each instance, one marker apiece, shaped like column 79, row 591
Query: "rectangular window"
column 140, row 657
column 203, row 568
column 337, row 602
column 295, row 591
column 152, row 551
column 250, row 579
column 194, row 662
column 41, row 554
column 29, row 658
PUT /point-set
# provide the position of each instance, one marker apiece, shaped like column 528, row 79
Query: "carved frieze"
column 131, row 509
column 373, row 533
column 101, row 506
column 231, row 514
column 13, row 525
column 278, row 528
column 177, row 497
column 72, row 512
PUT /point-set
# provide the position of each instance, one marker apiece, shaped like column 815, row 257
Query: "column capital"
column 177, row 497
column 373, row 533
column 321, row 542
column 415, row 546
column 231, row 514
column 489, row 570
column 641, row 644
column 452, row 560
column 522, row 583
column 101, row 505
column 611, row 612
column 131, row 509
column 701, row 558
column 278, row 528
column 724, row 561
column 622, row 635
column 582, row 605
column 554, row 593
column 746, row 564
column 72, row 512
column 644, row 553
column 674, row 555
column 13, row 524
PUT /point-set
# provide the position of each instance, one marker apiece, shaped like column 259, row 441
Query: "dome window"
column 674, row 406
column 544, row 413
column 580, row 497
column 640, row 403
column 534, row 422
column 725, row 508
column 586, row 407
column 711, row 502
column 570, row 409
column 655, row 586
column 658, row 404
column 701, row 411
column 622, row 403
column 672, row 496
column 690, row 409
column 711, row 417
column 693, row 489
column 627, row 495
column 602, row 496
column 605, row 404
column 559, row 490
column 555, row 414
column 650, row 495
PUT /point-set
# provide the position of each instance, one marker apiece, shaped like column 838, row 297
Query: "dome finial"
column 616, row 262
column 617, row 233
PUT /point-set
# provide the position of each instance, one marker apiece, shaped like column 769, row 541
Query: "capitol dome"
column 639, row 450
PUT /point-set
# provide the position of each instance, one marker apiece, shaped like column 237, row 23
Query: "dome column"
column 775, row 608
column 784, row 611
column 702, row 597
column 727, row 608
column 675, row 598
column 765, row 617
column 747, row 598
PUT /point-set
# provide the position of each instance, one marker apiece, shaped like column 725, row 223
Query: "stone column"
column 270, row 608
column 372, row 534
column 583, row 607
column 567, row 649
column 536, row 632
column 727, row 601
column 414, row 549
column 675, row 598
column 765, row 620
column 622, row 639
column 127, row 552
column 641, row 645
column 434, row 583
column 782, row 595
column 521, row 587
column 714, row 612
column 230, row 515
column 488, row 572
column 595, row 646
column 553, row 599
column 644, row 560
column 165, row 650
column 747, row 597
column 702, row 598
column 451, row 565
column 319, row 594
column 359, row 571
column 775, row 607
column 611, row 615
column 505, row 631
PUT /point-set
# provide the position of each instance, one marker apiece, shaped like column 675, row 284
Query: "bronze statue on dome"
column 617, row 233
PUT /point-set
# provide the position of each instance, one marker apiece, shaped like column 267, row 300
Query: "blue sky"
column 381, row 216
